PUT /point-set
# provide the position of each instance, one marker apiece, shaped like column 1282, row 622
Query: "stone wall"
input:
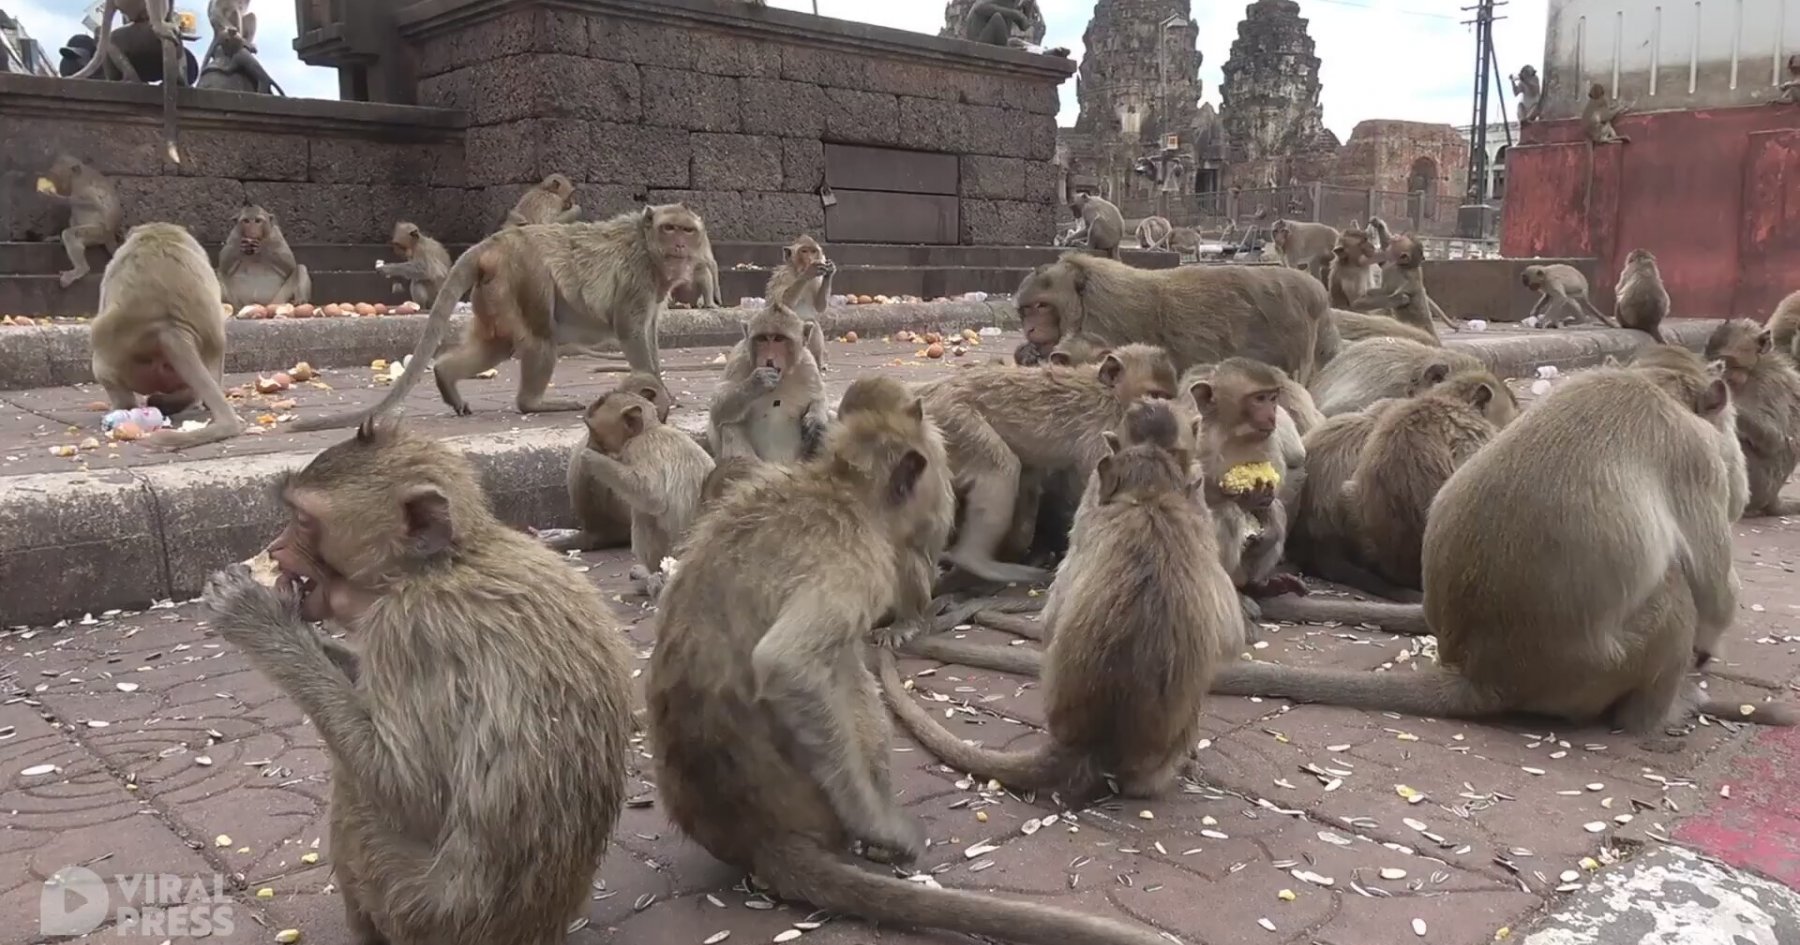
column 1383, row 154
column 747, row 114
column 332, row 172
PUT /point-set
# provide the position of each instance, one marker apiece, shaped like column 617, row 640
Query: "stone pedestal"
column 747, row 115
column 1476, row 221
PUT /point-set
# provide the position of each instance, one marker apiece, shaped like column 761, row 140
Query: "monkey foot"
column 70, row 278
column 1277, row 586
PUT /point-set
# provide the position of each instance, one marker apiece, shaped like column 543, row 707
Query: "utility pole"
column 1475, row 217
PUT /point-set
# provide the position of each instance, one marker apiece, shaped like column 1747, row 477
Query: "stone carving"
column 956, row 11
column 1270, row 113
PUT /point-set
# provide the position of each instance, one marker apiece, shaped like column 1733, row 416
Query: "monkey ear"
column 1061, row 359
column 649, row 214
column 649, row 393
column 903, row 482
column 1765, row 341
column 1481, row 396
column 747, row 333
column 1112, row 441
column 1107, row 472
column 1110, row 369
column 787, row 253
column 1713, row 399
column 1435, row 373
column 807, row 329
column 1202, row 392
column 428, row 522
column 633, row 418
column 1610, row 362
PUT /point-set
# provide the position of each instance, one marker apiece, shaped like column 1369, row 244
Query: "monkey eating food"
column 771, row 400
column 551, row 200
column 803, row 283
column 424, row 263
column 257, row 266
column 95, row 217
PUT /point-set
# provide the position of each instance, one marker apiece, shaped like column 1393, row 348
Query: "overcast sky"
column 1359, row 85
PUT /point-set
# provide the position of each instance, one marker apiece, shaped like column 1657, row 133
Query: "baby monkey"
column 658, row 470
column 551, row 201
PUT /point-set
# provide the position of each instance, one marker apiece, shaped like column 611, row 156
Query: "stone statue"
column 232, row 67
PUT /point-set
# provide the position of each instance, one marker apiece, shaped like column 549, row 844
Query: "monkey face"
column 405, row 240
column 1259, row 410
column 1532, row 277
column 252, row 229
column 774, row 350
column 1043, row 299
column 558, row 185
column 300, row 552
column 678, row 232
column 62, row 173
column 1030, row 355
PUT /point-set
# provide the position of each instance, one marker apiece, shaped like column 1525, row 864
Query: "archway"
column 1422, row 189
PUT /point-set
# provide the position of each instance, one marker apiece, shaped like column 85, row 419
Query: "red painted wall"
column 1715, row 194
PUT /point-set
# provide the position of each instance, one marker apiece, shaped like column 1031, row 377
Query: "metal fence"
column 1224, row 212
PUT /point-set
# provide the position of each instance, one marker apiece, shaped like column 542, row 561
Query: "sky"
column 1358, row 85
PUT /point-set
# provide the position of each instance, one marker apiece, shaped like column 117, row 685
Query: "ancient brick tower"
column 1273, row 124
column 957, row 10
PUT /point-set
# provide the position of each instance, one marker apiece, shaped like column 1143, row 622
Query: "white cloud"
column 1436, row 85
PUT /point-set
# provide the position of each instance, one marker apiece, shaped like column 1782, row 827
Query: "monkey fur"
column 1598, row 115
column 603, row 517
column 551, row 200
column 771, row 400
column 257, row 266
column 479, row 742
column 95, row 216
column 1305, row 246
column 232, row 66
column 1199, row 314
column 1153, row 232
column 1369, row 370
column 1530, row 92
column 1102, row 225
column 1558, row 283
column 659, row 471
column 1784, row 325
column 1639, row 300
column 1401, row 288
column 803, row 283
column 1765, row 389
column 425, row 264
column 1355, row 267
column 1357, row 326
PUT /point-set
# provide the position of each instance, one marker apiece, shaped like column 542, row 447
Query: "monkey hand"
column 766, row 378
column 898, row 633
column 897, row 839
column 1257, row 498
column 823, row 267
column 237, row 605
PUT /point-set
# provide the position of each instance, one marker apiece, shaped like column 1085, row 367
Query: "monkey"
column 771, row 401
column 1557, row 592
column 480, row 742
column 992, row 22
column 1530, row 92
column 1239, row 405
column 704, row 287
column 1401, row 288
column 803, row 283
column 1117, row 611
column 1355, row 270
column 1358, row 326
column 1324, row 534
column 552, row 200
column 1784, row 325
column 1305, row 246
column 657, row 470
column 1153, row 233
column 95, row 216
column 160, row 332
column 1639, row 299
column 1559, row 282
column 726, row 473
column 1199, row 314
column 1101, row 223
column 1411, row 450
column 232, row 66
column 603, row 517
column 1598, row 115
column 425, row 263
column 1370, row 370
column 1185, row 241
column 997, row 420
column 1786, row 93
column 157, row 14
column 1378, row 229
column 1765, row 389
column 537, row 286
column 257, row 266
column 772, row 742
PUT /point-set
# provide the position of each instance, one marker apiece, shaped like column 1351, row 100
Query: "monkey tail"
column 457, row 284
column 99, row 61
column 1764, row 713
column 1047, row 766
column 172, row 68
column 801, row 869
column 1433, row 692
column 1018, row 660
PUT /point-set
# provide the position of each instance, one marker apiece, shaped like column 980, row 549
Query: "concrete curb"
column 58, row 355
column 99, row 540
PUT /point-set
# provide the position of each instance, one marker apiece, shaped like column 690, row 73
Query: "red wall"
column 1715, row 194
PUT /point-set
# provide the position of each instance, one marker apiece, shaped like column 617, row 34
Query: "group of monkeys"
column 1573, row 559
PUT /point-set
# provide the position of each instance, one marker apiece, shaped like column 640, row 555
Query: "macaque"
column 803, row 283
column 1153, row 232
column 1369, row 370
column 257, row 266
column 1598, row 115
column 1788, row 93
column 1102, row 225
column 1359, row 326
column 479, row 729
column 1325, row 534
column 1378, row 229
column 1530, row 92
column 425, row 264
column 771, row 400
column 95, row 217
column 1765, row 389
column 1401, row 288
column 1784, row 325
column 1557, row 284
column 551, row 200
column 602, row 517
column 533, row 288
column 1305, row 246
column 1639, row 300
column 657, row 470
column 1355, row 267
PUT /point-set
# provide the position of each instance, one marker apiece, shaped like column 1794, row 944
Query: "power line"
column 1486, row 64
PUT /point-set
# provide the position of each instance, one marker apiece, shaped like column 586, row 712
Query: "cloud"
column 1436, row 84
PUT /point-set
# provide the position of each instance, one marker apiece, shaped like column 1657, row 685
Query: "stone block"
column 857, row 117
column 207, row 206
column 224, row 509
column 736, row 55
column 723, row 211
column 1006, row 223
column 594, row 89
column 342, row 213
column 247, row 156
column 933, row 125
column 53, row 521
column 134, row 148
column 736, row 162
column 511, row 152
column 780, row 107
column 645, row 44
column 1038, row 98
column 827, row 67
column 1040, row 181
column 454, row 89
column 898, row 77
column 24, row 215
column 802, row 165
column 603, row 201
column 779, row 217
column 502, row 90
column 690, row 100
column 1040, row 137
column 521, row 31
column 638, row 155
column 1005, row 132
column 993, row 178
column 358, row 161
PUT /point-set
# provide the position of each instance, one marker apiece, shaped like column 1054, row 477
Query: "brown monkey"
column 480, row 735
column 1378, row 229
column 95, row 217
column 1355, row 268
column 657, row 470
column 1786, row 92
column 551, row 200
column 772, row 743
column 703, row 288
column 603, row 517
column 1370, row 370
column 160, row 332
column 1324, row 535
column 803, row 283
column 425, row 263
column 1558, row 283
column 1239, row 404
column 1153, row 232
column 997, row 420
column 726, row 473
column 1556, row 592
column 1102, row 225
column 1117, row 611
column 1598, row 115
column 1784, row 325
column 1185, row 241
column 1305, row 246
column 256, row 264
column 536, row 287
column 1076, row 350
column 1357, row 326
column 1765, row 389
column 157, row 13
column 1411, row 450
column 1401, row 288
column 771, row 400
column 1640, row 300
column 1199, row 314
column 1530, row 92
